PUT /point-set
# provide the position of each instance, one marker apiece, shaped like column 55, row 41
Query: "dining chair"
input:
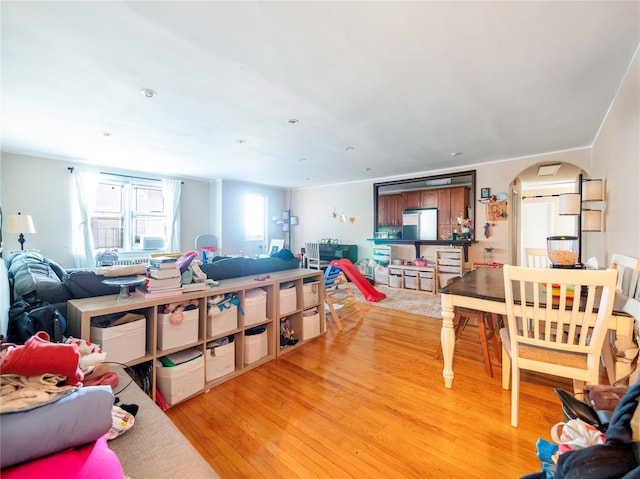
column 537, row 257
column 628, row 272
column 557, row 321
column 312, row 255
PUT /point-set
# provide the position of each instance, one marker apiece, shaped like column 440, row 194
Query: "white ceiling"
column 403, row 83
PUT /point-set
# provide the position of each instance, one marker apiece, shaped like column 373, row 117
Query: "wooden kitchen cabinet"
column 390, row 209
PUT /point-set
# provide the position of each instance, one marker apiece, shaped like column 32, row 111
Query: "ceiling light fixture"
column 548, row 170
column 239, row 141
column 367, row 169
column 293, row 121
column 148, row 92
column 106, row 134
column 455, row 153
column 349, row 148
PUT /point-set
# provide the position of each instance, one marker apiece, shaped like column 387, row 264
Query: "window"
column 254, row 217
column 127, row 215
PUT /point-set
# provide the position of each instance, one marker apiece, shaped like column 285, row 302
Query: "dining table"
column 483, row 290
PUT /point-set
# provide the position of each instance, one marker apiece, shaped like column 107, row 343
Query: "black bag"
column 27, row 319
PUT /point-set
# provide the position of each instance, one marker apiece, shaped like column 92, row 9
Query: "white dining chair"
column 312, row 256
column 628, row 273
column 551, row 327
column 537, row 257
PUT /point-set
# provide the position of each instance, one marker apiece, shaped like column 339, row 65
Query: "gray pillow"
column 80, row 418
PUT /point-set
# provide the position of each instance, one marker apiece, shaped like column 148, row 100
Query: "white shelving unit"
column 450, row 263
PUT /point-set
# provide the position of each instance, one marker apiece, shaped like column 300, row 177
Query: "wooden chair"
column 628, row 272
column 339, row 296
column 536, row 258
column 312, row 255
column 551, row 334
column 486, row 332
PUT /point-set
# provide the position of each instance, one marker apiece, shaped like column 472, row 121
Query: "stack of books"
column 162, row 278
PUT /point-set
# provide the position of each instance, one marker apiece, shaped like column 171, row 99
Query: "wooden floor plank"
column 370, row 402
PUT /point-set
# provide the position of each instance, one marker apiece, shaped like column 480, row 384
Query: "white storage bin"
column 427, row 281
column 256, row 346
column 310, row 294
column 380, row 275
column 310, row 324
column 288, row 301
column 174, row 335
column 395, row 281
column 179, row 382
column 220, row 361
column 222, row 321
column 410, row 280
column 255, row 306
column 444, row 278
column 123, row 343
column 449, row 269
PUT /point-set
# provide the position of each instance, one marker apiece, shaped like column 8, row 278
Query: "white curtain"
column 171, row 190
column 83, row 245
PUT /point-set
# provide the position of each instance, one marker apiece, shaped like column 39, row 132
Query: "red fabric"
column 39, row 356
column 92, row 461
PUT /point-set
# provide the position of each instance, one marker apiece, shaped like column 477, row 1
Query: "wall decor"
column 485, row 192
column 497, row 211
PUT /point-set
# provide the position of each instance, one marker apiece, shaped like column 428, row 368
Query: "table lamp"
column 20, row 224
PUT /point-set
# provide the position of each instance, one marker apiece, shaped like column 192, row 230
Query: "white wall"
column 42, row 188
column 616, row 159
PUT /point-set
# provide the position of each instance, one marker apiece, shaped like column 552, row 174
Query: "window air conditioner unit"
column 151, row 242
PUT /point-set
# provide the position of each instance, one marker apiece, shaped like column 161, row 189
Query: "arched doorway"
column 534, row 198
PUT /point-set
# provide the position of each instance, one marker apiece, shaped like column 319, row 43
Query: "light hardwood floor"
column 370, row 402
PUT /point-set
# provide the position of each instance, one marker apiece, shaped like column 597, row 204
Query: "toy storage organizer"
column 235, row 327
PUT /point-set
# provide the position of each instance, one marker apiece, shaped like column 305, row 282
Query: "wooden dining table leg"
column 447, row 339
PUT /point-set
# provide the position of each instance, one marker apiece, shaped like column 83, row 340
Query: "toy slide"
column 370, row 293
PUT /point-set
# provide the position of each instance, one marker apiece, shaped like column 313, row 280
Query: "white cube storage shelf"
column 142, row 341
column 220, row 360
column 220, row 321
column 172, row 334
column 122, row 343
column 179, row 382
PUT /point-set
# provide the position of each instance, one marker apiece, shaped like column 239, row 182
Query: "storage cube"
column 122, row 343
column 380, row 275
column 310, row 324
column 310, row 294
column 174, row 335
column 256, row 345
column 395, row 280
column 220, row 321
column 220, row 360
column 179, row 382
column 288, row 301
column 427, row 281
column 410, row 280
column 255, row 306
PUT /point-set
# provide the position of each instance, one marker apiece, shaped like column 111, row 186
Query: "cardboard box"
column 174, row 335
column 255, row 306
column 310, row 294
column 288, row 301
column 310, row 324
column 123, row 343
column 179, row 382
column 222, row 321
column 256, row 347
column 220, row 361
